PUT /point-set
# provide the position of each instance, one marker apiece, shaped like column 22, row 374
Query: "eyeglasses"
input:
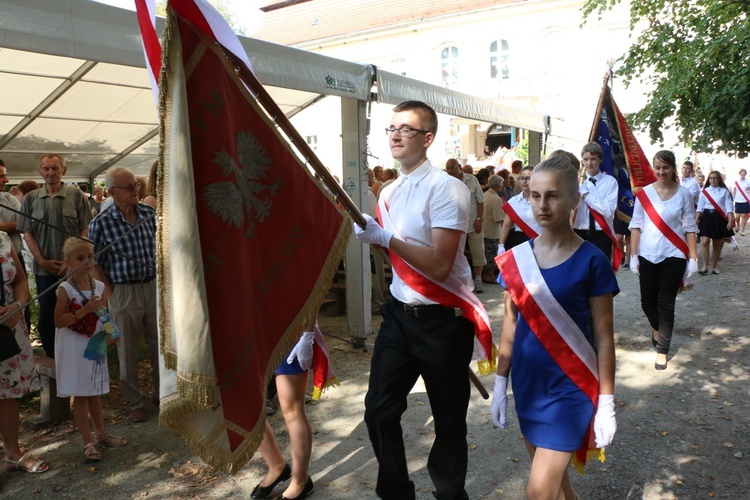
column 524, row 178
column 127, row 187
column 404, row 131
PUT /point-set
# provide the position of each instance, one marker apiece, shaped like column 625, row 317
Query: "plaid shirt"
column 139, row 245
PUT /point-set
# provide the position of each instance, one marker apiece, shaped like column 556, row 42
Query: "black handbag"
column 8, row 345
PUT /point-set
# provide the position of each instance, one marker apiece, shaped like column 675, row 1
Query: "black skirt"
column 713, row 225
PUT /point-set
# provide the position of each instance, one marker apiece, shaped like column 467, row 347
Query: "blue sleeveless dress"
column 552, row 411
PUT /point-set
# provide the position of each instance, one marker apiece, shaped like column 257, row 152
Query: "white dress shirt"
column 522, row 207
column 602, row 197
column 721, row 196
column 691, row 185
column 744, row 185
column 679, row 214
column 417, row 202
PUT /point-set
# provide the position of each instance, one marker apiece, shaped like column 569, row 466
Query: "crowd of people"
column 545, row 233
column 93, row 267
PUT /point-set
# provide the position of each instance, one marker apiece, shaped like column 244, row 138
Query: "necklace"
column 77, row 289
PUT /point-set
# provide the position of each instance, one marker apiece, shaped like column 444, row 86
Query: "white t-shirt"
column 417, row 202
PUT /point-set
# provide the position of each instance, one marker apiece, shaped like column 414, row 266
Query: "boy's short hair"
column 593, row 148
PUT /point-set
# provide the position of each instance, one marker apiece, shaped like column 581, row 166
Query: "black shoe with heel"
column 264, row 491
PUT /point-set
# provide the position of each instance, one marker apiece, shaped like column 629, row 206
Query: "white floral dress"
column 17, row 374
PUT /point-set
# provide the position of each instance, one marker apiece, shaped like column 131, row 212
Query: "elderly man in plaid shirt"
column 128, row 271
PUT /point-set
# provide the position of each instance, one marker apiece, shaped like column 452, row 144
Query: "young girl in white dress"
column 81, row 347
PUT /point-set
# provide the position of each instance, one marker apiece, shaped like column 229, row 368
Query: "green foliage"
column 219, row 5
column 695, row 58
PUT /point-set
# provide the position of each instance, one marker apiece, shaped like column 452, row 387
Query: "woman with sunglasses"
column 715, row 219
column 519, row 224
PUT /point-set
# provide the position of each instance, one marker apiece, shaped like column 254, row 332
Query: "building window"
column 449, row 64
column 499, row 54
column 312, row 141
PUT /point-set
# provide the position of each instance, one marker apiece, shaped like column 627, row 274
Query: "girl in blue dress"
column 558, row 397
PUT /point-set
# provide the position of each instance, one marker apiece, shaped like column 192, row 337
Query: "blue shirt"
column 131, row 257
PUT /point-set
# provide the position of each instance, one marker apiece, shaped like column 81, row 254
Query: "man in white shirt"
column 599, row 194
column 476, row 213
column 424, row 228
column 689, row 183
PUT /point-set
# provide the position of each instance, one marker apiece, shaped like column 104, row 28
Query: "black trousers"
column 440, row 351
column 598, row 239
column 659, row 285
column 46, row 323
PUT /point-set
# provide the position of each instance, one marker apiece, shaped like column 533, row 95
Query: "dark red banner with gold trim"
column 268, row 237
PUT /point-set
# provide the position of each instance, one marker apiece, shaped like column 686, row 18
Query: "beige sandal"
column 37, row 466
column 91, row 452
column 110, row 441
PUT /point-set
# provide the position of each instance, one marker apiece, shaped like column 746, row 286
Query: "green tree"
column 219, row 5
column 695, row 57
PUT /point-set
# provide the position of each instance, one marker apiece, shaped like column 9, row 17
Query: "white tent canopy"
column 73, row 82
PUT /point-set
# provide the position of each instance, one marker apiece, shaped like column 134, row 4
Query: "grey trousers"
column 133, row 309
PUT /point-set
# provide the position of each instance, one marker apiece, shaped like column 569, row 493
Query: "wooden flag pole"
column 600, row 105
column 264, row 98
column 285, row 125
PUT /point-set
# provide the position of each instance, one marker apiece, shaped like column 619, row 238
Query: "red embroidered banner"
column 249, row 246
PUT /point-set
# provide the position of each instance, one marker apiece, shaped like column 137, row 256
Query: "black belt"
column 136, row 281
column 432, row 311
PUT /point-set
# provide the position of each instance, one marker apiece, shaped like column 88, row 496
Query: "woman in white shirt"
column 715, row 219
column 512, row 234
column 662, row 238
column 741, row 195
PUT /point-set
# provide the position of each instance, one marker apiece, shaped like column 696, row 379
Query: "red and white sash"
column 609, row 230
column 716, row 205
column 645, row 196
column 744, row 193
column 517, row 219
column 450, row 293
column 552, row 325
column 323, row 375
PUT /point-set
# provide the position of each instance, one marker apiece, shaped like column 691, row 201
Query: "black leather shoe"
column 660, row 367
column 264, row 491
column 306, row 491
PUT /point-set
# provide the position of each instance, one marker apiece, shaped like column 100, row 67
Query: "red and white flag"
column 248, row 243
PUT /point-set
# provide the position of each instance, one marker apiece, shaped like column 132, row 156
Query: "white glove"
column 605, row 424
column 373, row 234
column 303, row 351
column 692, row 267
column 499, row 405
column 635, row 265
column 500, row 249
